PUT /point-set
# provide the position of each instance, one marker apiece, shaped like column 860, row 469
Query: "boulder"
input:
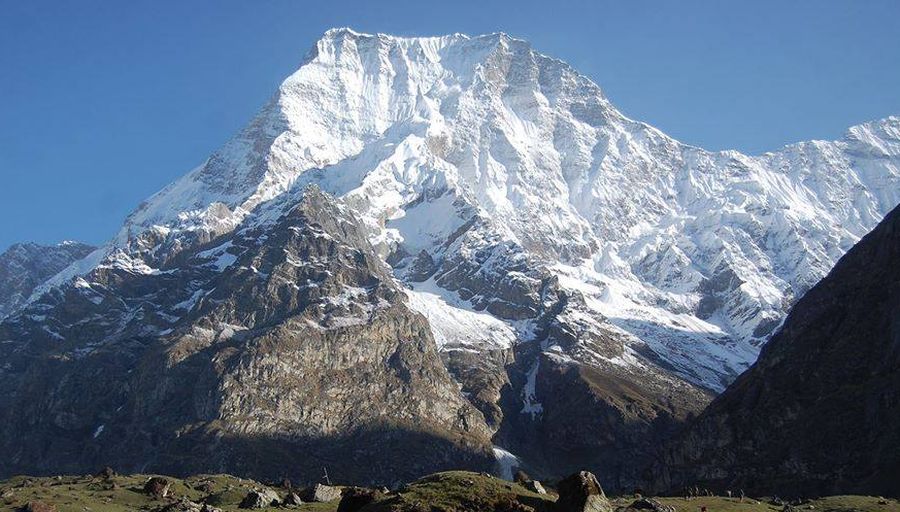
column 534, row 486
column 321, row 493
column 292, row 499
column 355, row 498
column 581, row 492
column 260, row 498
column 157, row 487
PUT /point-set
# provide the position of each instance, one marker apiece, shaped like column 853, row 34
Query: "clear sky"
column 104, row 103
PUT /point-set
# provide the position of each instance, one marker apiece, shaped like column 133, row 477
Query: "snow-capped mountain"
column 697, row 254
column 580, row 272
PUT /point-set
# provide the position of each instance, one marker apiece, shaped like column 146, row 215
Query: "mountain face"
column 24, row 267
column 277, row 352
column 819, row 412
column 585, row 281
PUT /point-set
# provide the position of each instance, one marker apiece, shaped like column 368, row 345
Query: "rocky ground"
column 454, row 491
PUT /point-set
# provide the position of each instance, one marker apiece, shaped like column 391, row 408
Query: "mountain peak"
column 425, row 136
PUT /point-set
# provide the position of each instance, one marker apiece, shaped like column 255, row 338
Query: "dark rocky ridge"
column 819, row 413
column 298, row 354
column 24, row 267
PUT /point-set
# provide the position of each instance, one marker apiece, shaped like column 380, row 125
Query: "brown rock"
column 157, row 487
column 581, row 492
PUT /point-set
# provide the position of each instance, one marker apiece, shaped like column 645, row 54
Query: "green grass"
column 453, row 491
column 459, row 491
column 124, row 493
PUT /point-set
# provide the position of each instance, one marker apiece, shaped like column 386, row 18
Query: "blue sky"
column 103, row 103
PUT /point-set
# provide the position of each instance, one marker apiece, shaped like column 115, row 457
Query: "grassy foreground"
column 454, row 491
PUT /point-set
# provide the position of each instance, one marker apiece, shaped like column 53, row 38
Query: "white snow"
column 220, row 256
column 454, row 324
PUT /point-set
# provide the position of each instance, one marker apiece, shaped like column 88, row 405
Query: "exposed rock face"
column 274, row 351
column 24, row 267
column 581, row 492
column 819, row 413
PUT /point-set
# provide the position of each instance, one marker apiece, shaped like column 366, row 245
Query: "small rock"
column 157, row 487
column 260, row 498
column 355, row 498
column 534, row 486
column 321, row 493
column 581, row 492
